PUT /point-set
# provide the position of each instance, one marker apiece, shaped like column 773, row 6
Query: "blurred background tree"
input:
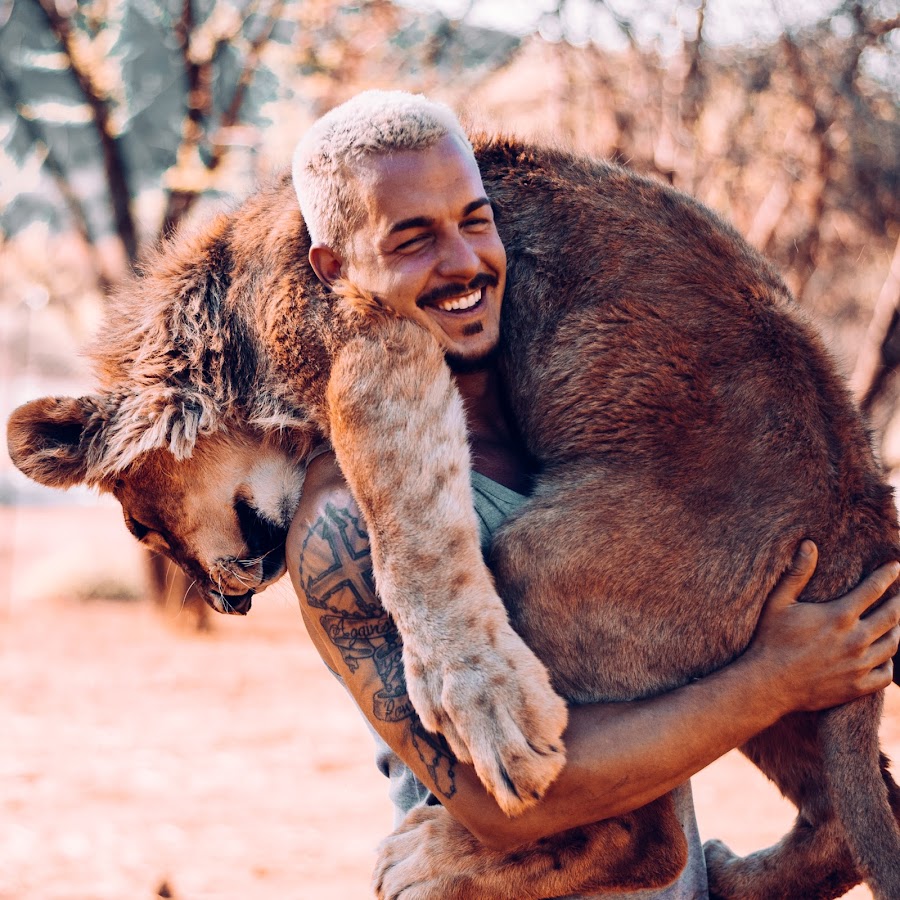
column 121, row 118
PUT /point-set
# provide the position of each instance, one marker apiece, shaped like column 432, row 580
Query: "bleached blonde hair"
column 330, row 157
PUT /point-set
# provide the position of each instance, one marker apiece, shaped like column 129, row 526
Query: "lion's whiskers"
column 255, row 560
column 183, row 604
column 239, row 579
column 184, row 596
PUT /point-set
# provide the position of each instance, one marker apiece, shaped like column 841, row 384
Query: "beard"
column 465, row 365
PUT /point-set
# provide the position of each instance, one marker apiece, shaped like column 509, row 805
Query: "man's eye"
column 476, row 224
column 412, row 244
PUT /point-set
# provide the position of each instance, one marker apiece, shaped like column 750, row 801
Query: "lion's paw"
column 720, row 861
column 493, row 702
column 412, row 857
column 432, row 857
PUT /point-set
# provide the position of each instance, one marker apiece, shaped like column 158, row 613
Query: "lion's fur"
column 689, row 426
column 183, row 355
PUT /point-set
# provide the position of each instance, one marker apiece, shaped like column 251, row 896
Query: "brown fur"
column 431, row 856
column 174, row 594
column 684, row 417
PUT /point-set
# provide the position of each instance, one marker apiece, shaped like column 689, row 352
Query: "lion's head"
column 221, row 511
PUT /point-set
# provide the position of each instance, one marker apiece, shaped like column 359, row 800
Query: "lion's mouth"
column 263, row 563
column 234, row 606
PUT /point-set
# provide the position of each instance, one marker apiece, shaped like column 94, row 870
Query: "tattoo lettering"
column 437, row 759
column 336, row 571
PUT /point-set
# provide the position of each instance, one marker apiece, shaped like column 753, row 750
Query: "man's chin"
column 464, row 364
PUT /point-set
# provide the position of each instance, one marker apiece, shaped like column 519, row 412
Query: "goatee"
column 465, row 365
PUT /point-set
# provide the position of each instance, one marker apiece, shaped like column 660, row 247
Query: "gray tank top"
column 493, row 503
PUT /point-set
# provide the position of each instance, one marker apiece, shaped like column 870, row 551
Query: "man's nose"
column 458, row 259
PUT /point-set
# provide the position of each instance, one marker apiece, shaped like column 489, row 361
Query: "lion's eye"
column 136, row 528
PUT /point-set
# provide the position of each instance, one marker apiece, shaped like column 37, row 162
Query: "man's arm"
column 620, row 756
column 330, row 566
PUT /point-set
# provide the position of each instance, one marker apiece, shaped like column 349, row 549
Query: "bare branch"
column 807, row 248
column 232, row 114
column 113, row 161
column 879, row 29
column 694, row 92
column 199, row 76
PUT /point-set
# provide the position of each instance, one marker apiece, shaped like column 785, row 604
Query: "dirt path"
column 229, row 765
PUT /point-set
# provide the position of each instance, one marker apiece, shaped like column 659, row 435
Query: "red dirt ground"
column 228, row 765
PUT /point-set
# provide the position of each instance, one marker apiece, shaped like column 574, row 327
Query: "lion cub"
column 679, row 407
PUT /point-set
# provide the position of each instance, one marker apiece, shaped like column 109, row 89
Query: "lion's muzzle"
column 231, row 605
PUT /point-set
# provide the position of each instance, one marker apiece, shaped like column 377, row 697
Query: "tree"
column 118, row 100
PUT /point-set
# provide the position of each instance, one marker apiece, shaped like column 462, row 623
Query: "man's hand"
column 823, row 654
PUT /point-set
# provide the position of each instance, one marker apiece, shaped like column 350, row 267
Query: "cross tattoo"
column 336, row 540
column 337, row 565
column 339, row 581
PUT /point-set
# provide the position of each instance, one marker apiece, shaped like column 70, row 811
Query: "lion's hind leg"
column 595, row 571
column 814, row 860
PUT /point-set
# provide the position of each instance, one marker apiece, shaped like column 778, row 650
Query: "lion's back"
column 650, row 352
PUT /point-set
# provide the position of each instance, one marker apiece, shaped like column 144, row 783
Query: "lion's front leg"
column 399, row 433
column 432, row 857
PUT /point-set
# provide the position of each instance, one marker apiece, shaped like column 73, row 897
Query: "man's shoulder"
column 330, row 563
column 324, row 483
column 328, row 532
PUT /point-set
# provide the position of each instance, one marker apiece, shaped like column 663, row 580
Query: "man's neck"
column 480, row 391
column 497, row 451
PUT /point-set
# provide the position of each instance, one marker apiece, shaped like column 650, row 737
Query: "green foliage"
column 154, row 85
column 103, row 101
column 33, row 73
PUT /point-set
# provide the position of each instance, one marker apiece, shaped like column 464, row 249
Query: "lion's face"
column 222, row 513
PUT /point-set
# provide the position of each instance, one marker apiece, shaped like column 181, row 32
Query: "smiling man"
column 392, row 196
column 444, row 266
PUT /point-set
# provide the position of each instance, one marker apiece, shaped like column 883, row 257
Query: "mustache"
column 448, row 291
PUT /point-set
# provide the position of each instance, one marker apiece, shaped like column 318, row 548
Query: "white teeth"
column 457, row 303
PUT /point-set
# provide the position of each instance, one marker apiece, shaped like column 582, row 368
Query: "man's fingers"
column 884, row 648
column 881, row 676
column 870, row 590
column 884, row 618
column 790, row 586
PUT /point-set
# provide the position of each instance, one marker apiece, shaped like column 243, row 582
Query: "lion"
column 679, row 406
column 172, row 592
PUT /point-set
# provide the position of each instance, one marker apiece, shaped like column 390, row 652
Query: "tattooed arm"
column 620, row 756
column 331, row 568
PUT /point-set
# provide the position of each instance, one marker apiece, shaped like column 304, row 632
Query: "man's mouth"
column 461, row 304
column 458, row 298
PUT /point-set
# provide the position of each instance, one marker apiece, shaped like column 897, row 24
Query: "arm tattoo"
column 336, row 576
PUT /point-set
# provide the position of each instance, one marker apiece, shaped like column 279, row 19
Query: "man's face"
column 429, row 248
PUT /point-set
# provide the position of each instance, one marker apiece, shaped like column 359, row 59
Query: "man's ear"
column 327, row 264
column 45, row 439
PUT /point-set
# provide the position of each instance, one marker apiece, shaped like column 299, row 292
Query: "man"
column 393, row 198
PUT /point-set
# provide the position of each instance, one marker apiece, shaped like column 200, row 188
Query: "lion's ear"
column 46, row 439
